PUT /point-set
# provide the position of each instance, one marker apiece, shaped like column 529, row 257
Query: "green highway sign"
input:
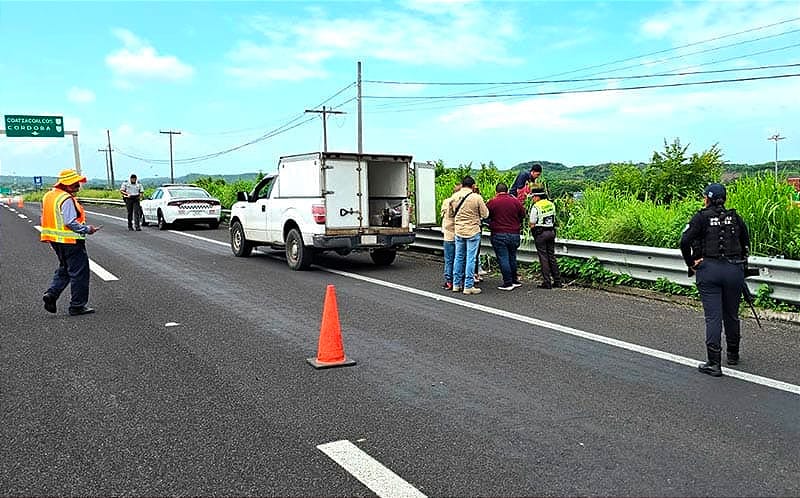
column 34, row 126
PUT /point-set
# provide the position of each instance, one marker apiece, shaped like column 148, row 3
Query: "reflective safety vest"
column 54, row 228
column 547, row 214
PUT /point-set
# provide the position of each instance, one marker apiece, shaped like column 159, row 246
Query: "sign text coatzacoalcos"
column 34, row 126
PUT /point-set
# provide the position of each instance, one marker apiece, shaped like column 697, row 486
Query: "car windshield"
column 188, row 193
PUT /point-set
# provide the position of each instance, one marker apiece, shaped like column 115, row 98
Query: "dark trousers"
column 545, row 240
column 505, row 248
column 720, row 284
column 73, row 270
column 134, row 210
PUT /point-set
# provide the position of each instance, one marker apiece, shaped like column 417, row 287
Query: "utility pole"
column 171, row 168
column 110, row 158
column 324, row 113
column 358, row 99
column 108, row 172
column 776, row 137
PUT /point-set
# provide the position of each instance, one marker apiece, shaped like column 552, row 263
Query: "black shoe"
column 49, row 302
column 83, row 310
column 557, row 285
column 733, row 354
column 544, row 286
column 138, row 229
column 711, row 369
column 130, row 229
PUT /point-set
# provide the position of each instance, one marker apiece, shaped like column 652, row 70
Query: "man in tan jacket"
column 467, row 209
column 448, row 225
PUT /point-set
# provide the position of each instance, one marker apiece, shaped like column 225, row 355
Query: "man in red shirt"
column 506, row 215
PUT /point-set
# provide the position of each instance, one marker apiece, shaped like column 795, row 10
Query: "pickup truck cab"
column 334, row 201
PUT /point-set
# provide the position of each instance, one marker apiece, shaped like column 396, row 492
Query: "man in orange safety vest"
column 64, row 227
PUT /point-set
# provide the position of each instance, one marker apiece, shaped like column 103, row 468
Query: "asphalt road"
column 191, row 379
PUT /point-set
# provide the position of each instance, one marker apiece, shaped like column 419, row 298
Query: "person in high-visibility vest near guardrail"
column 715, row 245
column 543, row 226
column 64, row 227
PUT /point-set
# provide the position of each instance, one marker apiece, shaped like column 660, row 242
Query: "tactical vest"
column 547, row 214
column 54, row 228
column 721, row 238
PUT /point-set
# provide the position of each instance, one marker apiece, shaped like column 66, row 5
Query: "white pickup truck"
column 334, row 201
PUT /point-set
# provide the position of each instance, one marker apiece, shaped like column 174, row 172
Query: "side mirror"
column 241, row 196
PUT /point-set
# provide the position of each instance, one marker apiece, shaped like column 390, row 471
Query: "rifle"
column 748, row 296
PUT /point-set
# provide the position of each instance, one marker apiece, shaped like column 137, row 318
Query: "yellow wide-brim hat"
column 70, row 177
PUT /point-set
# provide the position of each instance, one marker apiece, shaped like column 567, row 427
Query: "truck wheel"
column 298, row 256
column 240, row 246
column 383, row 257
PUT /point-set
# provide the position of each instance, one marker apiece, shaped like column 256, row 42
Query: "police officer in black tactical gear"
column 715, row 245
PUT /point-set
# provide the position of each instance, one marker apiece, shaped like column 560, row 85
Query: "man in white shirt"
column 131, row 193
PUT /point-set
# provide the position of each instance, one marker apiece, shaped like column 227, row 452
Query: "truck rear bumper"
column 362, row 241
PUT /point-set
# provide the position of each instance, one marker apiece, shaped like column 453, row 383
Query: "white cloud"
column 138, row 60
column 80, row 95
column 656, row 28
column 687, row 22
column 591, row 112
column 445, row 34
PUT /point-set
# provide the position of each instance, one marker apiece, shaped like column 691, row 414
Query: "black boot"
column 712, row 367
column 733, row 354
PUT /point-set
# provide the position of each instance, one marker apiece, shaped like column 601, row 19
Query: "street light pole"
column 171, row 168
column 775, row 138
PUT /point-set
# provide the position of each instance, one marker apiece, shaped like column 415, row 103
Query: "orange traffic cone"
column 19, row 202
column 330, row 352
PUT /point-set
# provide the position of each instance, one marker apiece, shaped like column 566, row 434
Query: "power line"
column 270, row 134
column 416, row 106
column 578, row 80
column 592, row 90
column 757, row 28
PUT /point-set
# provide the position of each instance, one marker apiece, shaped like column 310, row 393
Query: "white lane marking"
column 97, row 269
column 382, row 481
column 682, row 360
column 198, row 237
column 101, row 272
column 22, row 216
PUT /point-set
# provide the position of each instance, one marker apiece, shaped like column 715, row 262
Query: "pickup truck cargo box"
column 334, row 201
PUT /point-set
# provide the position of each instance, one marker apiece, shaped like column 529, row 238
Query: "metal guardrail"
column 641, row 262
column 646, row 263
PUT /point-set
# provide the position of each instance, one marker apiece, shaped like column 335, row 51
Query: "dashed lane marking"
column 382, row 481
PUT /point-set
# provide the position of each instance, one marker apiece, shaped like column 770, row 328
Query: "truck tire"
column 298, row 256
column 383, row 257
column 240, row 246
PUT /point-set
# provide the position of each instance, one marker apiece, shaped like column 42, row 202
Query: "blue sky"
column 226, row 74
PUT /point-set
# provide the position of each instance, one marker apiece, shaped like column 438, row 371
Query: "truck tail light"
column 318, row 211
